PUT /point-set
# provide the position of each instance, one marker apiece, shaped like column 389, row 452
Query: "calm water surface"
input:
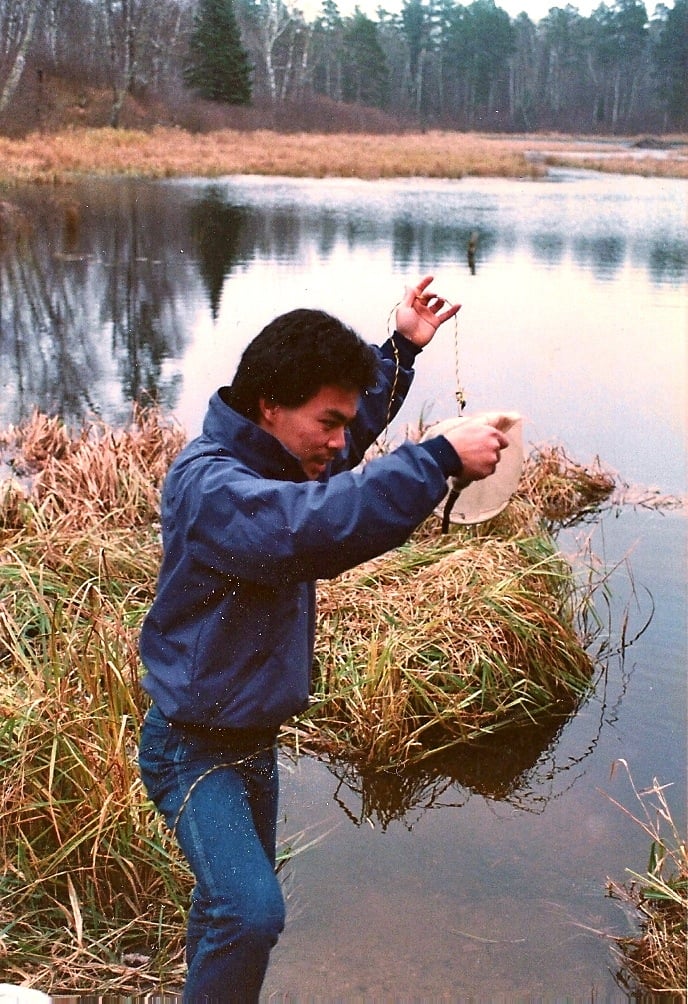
column 487, row 878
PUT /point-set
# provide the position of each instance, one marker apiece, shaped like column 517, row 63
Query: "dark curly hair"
column 294, row 356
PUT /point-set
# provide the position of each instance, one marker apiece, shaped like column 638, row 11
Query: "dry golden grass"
column 102, row 474
column 165, row 152
column 441, row 641
column 83, row 854
column 620, row 163
column 655, row 961
column 562, row 489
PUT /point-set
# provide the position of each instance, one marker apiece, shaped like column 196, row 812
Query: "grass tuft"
column 442, row 641
column 655, row 960
column 561, row 489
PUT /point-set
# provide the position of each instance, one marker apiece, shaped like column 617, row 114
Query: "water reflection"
column 548, row 247
column 217, row 227
column 102, row 286
column 516, row 766
column 666, row 260
column 89, row 309
column 442, row 240
column 525, row 767
column 604, row 255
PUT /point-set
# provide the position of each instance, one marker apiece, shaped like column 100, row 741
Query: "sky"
column 536, row 9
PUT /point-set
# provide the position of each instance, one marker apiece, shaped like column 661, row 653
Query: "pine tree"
column 366, row 76
column 671, row 62
column 218, row 65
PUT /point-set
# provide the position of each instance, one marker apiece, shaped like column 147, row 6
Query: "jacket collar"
column 250, row 444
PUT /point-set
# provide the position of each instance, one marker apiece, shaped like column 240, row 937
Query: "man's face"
column 313, row 431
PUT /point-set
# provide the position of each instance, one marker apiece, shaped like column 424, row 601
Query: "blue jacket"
column 229, row 638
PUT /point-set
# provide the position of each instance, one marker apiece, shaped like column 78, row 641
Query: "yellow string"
column 395, row 381
column 458, row 393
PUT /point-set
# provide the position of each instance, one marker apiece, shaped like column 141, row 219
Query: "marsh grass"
column 172, row 153
column 88, row 870
column 100, row 476
column 645, row 167
column 655, row 960
column 89, row 873
column 440, row 642
column 428, row 646
column 563, row 490
column 168, row 152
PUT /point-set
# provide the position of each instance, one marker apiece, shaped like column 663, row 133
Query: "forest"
column 429, row 64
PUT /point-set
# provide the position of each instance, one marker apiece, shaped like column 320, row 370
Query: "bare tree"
column 18, row 20
column 141, row 36
column 264, row 24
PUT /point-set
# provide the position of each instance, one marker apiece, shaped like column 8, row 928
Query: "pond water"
column 487, row 878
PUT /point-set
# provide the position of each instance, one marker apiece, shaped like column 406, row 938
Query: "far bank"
column 50, row 158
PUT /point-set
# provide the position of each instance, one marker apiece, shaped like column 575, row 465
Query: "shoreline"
column 61, row 157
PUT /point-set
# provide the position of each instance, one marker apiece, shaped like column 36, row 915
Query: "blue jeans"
column 218, row 794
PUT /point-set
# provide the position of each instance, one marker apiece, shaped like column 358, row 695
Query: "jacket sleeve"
column 271, row 532
column 381, row 403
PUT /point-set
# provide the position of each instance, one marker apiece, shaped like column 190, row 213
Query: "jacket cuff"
column 444, row 454
column 406, row 349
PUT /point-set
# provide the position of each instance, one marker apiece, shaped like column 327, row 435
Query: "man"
column 266, row 501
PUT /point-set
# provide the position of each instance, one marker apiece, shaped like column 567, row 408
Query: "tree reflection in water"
column 89, row 312
column 217, row 227
column 522, row 766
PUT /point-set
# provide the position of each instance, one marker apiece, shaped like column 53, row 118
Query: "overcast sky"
column 536, row 9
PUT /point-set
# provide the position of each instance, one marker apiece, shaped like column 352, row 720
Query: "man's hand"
column 420, row 313
column 479, row 441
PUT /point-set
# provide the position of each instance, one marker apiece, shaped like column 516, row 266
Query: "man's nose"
column 337, row 439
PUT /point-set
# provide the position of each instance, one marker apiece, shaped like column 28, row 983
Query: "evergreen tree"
column 327, row 57
column 365, row 73
column 218, row 65
column 671, row 63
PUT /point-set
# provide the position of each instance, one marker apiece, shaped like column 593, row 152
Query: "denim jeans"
column 218, row 794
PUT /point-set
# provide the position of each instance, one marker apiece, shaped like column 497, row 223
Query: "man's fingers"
column 500, row 420
column 449, row 312
column 417, row 292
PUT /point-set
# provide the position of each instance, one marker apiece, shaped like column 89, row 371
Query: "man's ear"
column 266, row 411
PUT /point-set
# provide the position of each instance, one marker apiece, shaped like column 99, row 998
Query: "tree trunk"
column 17, row 68
column 274, row 21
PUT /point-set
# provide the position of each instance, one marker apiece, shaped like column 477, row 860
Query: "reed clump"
column 90, row 879
column 655, row 960
column 100, row 474
column 426, row 647
column 88, row 874
column 440, row 642
column 561, row 489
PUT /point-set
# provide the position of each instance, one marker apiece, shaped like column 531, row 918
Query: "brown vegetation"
column 59, row 103
column 172, row 152
column 562, row 489
column 655, row 960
